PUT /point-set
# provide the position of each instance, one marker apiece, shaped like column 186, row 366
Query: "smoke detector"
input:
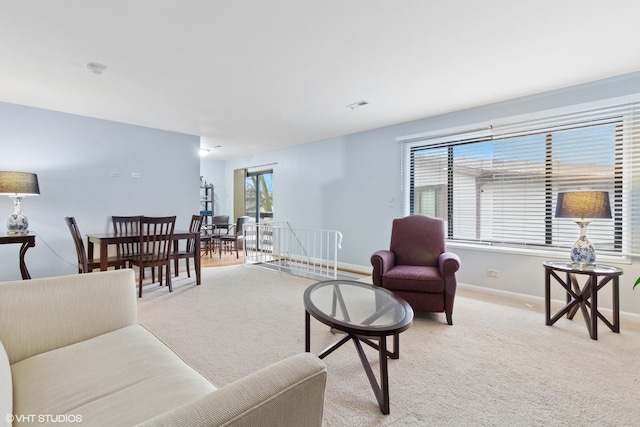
column 95, row 68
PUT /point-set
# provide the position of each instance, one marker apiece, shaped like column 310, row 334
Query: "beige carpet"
column 498, row 365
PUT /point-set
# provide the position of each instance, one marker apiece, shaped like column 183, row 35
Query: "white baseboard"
column 531, row 299
column 355, row 268
column 534, row 300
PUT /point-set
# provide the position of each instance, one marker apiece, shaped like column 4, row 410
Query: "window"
column 498, row 185
column 431, row 200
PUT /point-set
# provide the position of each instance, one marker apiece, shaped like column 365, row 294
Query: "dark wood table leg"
column 396, row 347
column 197, row 261
column 104, row 255
column 578, row 296
column 593, row 281
column 176, row 247
column 616, row 304
column 547, row 296
column 90, row 249
column 307, row 332
column 384, row 375
column 568, row 295
column 23, row 266
column 26, row 241
column 572, row 298
column 381, row 390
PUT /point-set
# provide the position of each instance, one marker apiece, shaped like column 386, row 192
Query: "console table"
column 27, row 241
column 585, row 298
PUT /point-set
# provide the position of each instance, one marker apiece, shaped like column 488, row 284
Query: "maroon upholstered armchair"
column 417, row 267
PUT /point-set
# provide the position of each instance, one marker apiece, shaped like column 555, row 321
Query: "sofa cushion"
column 120, row 378
column 6, row 392
column 54, row 312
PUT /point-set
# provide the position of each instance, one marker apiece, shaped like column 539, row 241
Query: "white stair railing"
column 304, row 252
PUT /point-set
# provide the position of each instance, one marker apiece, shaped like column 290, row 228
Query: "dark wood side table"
column 585, row 298
column 27, row 241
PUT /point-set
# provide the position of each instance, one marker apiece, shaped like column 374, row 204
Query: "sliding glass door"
column 259, row 195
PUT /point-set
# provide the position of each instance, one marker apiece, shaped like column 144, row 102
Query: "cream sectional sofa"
column 72, row 352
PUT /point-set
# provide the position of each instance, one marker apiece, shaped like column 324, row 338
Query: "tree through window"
column 259, row 195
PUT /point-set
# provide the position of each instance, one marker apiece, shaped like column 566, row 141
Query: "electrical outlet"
column 135, row 175
column 115, row 174
column 493, row 273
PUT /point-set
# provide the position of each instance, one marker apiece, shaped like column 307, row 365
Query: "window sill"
column 541, row 253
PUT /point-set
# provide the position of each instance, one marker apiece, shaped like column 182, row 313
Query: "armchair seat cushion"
column 413, row 278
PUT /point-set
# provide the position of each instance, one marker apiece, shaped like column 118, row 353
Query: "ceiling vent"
column 357, row 105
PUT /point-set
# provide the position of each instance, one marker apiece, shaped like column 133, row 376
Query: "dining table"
column 103, row 240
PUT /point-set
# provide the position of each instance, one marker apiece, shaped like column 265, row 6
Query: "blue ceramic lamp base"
column 583, row 252
column 17, row 222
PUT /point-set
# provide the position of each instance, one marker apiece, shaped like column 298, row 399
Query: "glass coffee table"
column 365, row 314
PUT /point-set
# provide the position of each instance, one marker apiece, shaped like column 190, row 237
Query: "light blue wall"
column 74, row 157
column 213, row 172
column 345, row 183
column 352, row 184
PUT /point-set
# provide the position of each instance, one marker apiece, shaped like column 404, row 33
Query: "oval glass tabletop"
column 358, row 307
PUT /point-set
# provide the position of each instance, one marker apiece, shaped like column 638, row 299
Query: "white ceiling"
column 257, row 75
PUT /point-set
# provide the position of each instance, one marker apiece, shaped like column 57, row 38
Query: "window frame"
column 625, row 221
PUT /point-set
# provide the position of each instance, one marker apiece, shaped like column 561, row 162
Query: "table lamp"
column 583, row 206
column 17, row 185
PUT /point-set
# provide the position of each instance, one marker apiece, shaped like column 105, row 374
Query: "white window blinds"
column 499, row 186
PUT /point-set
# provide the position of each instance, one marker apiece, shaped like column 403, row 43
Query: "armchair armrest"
column 43, row 314
column 382, row 261
column 287, row 393
column 449, row 263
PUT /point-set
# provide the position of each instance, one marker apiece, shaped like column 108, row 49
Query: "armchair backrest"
column 417, row 240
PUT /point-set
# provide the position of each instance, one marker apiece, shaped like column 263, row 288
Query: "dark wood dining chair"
column 155, row 248
column 235, row 234
column 190, row 249
column 127, row 225
column 86, row 265
column 220, row 228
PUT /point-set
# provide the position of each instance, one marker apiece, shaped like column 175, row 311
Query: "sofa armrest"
column 6, row 389
column 382, row 261
column 287, row 393
column 43, row 314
